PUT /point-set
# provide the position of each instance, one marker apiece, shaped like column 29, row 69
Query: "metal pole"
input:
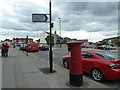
column 60, row 30
column 37, row 34
column 27, row 44
column 50, row 52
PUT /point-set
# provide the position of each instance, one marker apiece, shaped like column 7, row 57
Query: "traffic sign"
column 39, row 18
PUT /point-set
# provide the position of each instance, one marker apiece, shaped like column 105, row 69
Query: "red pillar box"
column 75, row 68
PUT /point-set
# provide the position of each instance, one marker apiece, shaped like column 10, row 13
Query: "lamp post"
column 37, row 34
column 60, row 30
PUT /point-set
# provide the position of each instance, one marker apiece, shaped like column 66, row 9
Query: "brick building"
column 21, row 40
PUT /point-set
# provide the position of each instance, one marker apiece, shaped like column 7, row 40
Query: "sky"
column 80, row 19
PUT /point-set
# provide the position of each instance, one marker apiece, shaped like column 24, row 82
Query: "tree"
column 58, row 41
column 64, row 41
column 48, row 40
column 117, row 42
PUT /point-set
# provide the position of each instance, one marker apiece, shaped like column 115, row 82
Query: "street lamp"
column 60, row 30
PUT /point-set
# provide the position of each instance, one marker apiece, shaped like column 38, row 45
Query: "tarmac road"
column 57, row 57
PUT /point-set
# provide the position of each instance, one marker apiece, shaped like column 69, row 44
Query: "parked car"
column 88, row 46
column 32, row 47
column 43, row 47
column 105, row 47
column 22, row 46
column 99, row 63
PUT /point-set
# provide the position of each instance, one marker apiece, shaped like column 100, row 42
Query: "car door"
column 88, row 61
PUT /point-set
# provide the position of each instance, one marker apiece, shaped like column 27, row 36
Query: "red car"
column 32, row 47
column 99, row 63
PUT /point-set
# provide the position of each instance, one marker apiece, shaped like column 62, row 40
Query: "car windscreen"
column 106, row 55
column 45, row 45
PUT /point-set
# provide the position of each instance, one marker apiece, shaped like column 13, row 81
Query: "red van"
column 32, row 47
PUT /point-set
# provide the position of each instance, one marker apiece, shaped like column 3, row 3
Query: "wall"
column 42, row 37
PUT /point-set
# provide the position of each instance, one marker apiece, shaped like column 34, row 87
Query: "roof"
column 52, row 33
column 48, row 33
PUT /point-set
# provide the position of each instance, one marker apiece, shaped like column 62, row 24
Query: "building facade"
column 44, row 35
column 21, row 40
column 110, row 41
column 85, row 41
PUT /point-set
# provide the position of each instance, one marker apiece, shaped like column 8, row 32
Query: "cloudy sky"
column 91, row 20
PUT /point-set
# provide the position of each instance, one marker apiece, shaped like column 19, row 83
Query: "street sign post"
column 44, row 18
column 39, row 18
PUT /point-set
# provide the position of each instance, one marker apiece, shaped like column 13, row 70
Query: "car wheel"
column 97, row 74
column 66, row 64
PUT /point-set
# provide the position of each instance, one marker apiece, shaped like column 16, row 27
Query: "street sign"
column 39, row 18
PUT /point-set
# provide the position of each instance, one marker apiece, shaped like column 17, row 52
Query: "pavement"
column 22, row 71
column 0, row 72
